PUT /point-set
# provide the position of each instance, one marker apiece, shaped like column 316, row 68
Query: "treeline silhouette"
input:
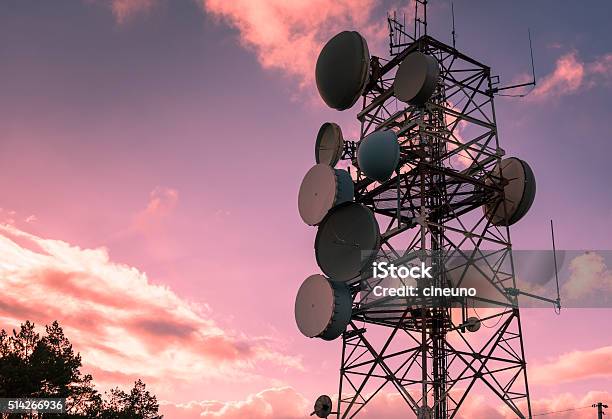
column 46, row 366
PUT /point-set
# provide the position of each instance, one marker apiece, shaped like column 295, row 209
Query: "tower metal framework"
column 432, row 208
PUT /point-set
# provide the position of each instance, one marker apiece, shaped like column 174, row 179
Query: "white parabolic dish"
column 322, row 307
column 322, row 188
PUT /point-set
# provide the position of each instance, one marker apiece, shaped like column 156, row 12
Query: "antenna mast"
column 552, row 233
column 453, row 31
column 431, row 185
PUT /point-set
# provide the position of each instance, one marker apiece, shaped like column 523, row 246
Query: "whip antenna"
column 552, row 232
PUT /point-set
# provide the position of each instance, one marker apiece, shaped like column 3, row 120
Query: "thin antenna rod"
column 531, row 52
column 416, row 18
column 552, row 232
column 425, row 16
column 453, row 32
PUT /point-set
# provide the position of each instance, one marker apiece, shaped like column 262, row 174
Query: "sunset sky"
column 151, row 153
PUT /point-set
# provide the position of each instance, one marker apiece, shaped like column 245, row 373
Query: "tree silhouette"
column 139, row 403
column 47, row 367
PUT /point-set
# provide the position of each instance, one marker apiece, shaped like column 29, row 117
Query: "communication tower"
column 427, row 182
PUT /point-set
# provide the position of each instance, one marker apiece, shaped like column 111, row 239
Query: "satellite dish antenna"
column 323, row 187
column 378, row 155
column 342, row 70
column 473, row 324
column 329, row 145
column 347, row 241
column 323, row 308
column 519, row 192
column 323, row 407
column 416, row 78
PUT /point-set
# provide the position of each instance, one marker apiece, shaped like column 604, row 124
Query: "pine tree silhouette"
column 47, row 367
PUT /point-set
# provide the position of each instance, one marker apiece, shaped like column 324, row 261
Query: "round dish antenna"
column 323, row 187
column 342, row 70
column 323, row 407
column 519, row 192
column 329, row 145
column 378, row 155
column 347, row 241
column 322, row 308
column 416, row 78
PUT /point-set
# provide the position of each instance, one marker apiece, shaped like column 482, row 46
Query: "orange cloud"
column 124, row 326
column 288, row 35
column 573, row 366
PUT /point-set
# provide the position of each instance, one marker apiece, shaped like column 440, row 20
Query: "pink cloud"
column 123, row 325
column 566, row 78
column 601, row 66
column 8, row 216
column 287, row 403
column 572, row 75
column 162, row 203
column 277, row 403
column 288, row 35
column 124, row 10
column 463, row 159
column 590, row 279
column 573, row 366
column 569, row 406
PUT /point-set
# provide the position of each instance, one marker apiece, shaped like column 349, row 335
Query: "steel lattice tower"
column 432, row 207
